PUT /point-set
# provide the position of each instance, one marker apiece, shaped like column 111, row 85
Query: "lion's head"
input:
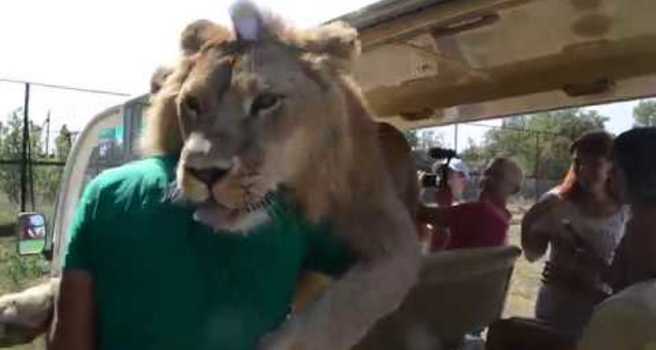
column 262, row 107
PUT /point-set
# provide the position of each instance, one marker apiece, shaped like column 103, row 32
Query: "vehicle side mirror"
column 31, row 232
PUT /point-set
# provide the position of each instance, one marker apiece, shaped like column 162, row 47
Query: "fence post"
column 536, row 170
column 26, row 138
column 48, row 135
column 455, row 137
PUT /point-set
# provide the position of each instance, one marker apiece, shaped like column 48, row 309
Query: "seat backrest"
column 624, row 321
column 458, row 291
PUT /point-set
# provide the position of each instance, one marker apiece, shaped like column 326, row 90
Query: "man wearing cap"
column 485, row 222
column 457, row 176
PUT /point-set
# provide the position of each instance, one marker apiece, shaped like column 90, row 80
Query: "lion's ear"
column 196, row 34
column 337, row 40
column 158, row 78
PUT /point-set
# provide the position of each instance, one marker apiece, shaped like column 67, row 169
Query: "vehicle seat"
column 459, row 291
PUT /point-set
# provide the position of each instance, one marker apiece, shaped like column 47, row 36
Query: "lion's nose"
column 209, row 176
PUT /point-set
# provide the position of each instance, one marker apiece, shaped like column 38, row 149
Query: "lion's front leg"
column 370, row 290
column 286, row 337
column 26, row 314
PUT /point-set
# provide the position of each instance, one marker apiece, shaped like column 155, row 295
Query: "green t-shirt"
column 164, row 281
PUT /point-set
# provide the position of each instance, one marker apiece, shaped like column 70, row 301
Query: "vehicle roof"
column 437, row 62
column 433, row 62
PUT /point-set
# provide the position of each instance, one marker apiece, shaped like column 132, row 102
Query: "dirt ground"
column 526, row 277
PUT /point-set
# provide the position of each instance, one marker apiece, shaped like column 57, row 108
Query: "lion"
column 274, row 108
column 399, row 163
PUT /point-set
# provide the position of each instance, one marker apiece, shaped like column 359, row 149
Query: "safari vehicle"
column 436, row 62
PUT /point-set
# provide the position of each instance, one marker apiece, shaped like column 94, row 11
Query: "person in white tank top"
column 581, row 222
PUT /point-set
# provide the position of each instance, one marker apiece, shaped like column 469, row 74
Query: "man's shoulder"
column 148, row 169
column 482, row 211
column 625, row 318
column 472, row 207
column 146, row 177
column 550, row 204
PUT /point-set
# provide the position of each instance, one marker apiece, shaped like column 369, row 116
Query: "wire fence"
column 32, row 158
column 469, row 140
column 38, row 126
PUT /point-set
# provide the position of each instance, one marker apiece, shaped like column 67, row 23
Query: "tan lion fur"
column 331, row 158
column 162, row 134
column 403, row 171
column 26, row 314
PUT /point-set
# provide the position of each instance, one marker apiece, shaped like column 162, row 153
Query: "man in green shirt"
column 140, row 273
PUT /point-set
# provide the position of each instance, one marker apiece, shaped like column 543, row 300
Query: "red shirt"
column 476, row 224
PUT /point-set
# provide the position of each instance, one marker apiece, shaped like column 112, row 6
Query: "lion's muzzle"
column 208, row 176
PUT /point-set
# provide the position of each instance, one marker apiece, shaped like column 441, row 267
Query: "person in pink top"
column 485, row 222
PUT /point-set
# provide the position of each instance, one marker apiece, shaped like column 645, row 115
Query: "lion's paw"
column 285, row 338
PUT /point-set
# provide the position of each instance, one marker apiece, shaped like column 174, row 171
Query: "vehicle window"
column 134, row 113
column 116, row 141
column 108, row 148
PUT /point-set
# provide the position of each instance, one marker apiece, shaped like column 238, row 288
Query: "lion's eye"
column 192, row 104
column 264, row 103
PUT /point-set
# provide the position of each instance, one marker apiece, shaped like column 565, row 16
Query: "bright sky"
column 108, row 45
column 116, row 45
column 620, row 116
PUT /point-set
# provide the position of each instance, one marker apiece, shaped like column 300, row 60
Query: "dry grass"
column 17, row 273
column 524, row 284
column 526, row 277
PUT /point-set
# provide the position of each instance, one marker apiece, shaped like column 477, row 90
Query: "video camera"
column 438, row 153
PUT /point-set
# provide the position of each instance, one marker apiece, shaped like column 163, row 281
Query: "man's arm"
column 534, row 239
column 74, row 322
column 74, row 326
column 615, row 276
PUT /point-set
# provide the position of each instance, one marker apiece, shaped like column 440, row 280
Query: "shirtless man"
column 636, row 173
column 627, row 319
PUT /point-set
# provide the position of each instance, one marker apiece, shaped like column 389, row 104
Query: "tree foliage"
column 46, row 179
column 644, row 114
column 474, row 156
column 412, row 137
column 428, row 138
column 540, row 142
column 63, row 143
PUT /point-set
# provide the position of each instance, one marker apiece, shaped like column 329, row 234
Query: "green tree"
column 644, row 114
column 50, row 176
column 63, row 143
column 475, row 156
column 11, row 148
column 429, row 137
column 46, row 178
column 411, row 136
column 540, row 142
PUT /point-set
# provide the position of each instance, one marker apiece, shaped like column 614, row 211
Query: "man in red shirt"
column 485, row 222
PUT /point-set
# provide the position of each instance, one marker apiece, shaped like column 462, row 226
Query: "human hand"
column 581, row 249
